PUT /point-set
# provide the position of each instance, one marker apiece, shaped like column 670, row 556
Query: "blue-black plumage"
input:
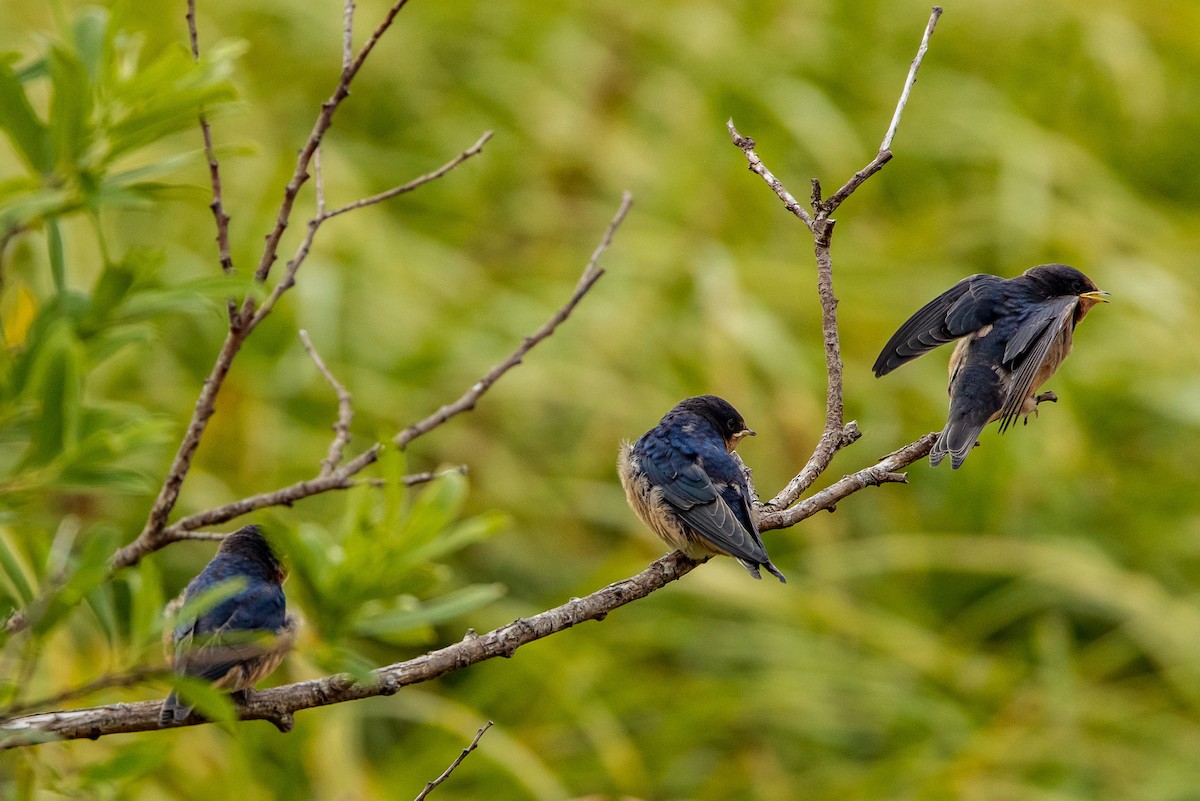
column 1012, row 335
column 240, row 640
column 684, row 483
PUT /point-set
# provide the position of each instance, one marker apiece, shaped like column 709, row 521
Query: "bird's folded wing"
column 962, row 309
column 248, row 633
column 698, row 501
column 1028, row 348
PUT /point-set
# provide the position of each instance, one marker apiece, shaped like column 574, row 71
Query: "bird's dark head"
column 723, row 417
column 249, row 545
column 1059, row 280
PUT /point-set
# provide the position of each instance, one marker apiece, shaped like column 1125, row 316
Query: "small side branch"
column 882, row 472
column 591, row 274
column 214, row 168
column 341, row 428
column 453, row 765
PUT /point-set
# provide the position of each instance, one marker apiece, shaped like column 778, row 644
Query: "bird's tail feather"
column 752, row 569
column 956, row 441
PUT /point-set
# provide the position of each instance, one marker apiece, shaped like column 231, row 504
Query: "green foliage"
column 1021, row 628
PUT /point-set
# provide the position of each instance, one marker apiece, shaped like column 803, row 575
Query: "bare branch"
column 320, row 126
column 882, row 472
column 837, row 433
column 129, row 679
column 591, row 274
column 345, row 410
column 347, row 35
column 278, row 704
column 214, row 168
column 446, row 773
column 746, row 145
column 159, row 534
column 473, row 150
column 911, row 78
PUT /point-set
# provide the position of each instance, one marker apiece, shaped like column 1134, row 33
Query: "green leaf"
column 17, row 118
column 209, row 598
column 58, row 261
column 388, row 625
column 56, row 379
column 70, row 107
column 17, row 572
column 455, row 538
column 90, row 33
column 211, row 703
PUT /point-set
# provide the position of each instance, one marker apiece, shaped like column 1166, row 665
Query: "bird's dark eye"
column 733, row 425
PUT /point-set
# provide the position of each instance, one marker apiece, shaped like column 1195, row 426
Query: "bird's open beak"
column 745, row 432
column 1097, row 296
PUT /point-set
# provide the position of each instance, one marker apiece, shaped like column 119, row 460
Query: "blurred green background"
column 1027, row 627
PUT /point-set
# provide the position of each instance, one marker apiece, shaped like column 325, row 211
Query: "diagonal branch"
column 279, row 704
column 453, row 765
column 214, row 168
column 882, row 472
column 591, row 274
column 341, row 428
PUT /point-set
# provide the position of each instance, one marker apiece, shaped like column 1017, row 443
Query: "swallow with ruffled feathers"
column 240, row 640
column 682, row 481
column 1012, row 335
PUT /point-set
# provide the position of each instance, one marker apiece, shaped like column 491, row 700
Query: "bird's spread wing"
column 1028, row 349
column 965, row 307
column 700, row 503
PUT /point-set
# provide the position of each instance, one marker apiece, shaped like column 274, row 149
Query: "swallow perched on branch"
column 238, row 641
column 682, row 481
column 1012, row 335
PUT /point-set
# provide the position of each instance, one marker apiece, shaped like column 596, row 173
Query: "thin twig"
column 347, row 34
column 473, row 150
column 321, row 215
column 591, row 274
column 911, row 78
column 746, row 145
column 446, row 773
column 882, row 472
column 279, row 704
column 345, row 416
column 214, row 168
column 153, row 538
column 129, row 679
column 320, row 126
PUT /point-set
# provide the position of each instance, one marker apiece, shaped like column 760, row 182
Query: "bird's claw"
column 1042, row 397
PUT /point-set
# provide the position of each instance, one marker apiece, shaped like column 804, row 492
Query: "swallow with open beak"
column 684, row 483
column 1012, row 335
column 239, row 640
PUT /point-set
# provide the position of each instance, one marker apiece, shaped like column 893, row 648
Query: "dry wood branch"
column 214, row 168
column 341, row 428
column 473, row 150
column 278, row 704
column 342, row 477
column 446, row 773
column 108, row 682
column 320, row 126
column 837, row 433
column 882, row 472
column 591, row 274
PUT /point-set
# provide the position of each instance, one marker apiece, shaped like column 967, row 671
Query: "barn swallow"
column 1012, row 335
column 681, row 479
column 240, row 640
